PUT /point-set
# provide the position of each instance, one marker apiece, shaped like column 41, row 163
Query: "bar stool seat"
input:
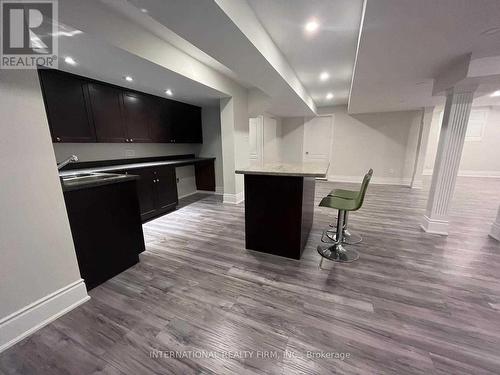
column 338, row 251
column 342, row 193
column 349, row 237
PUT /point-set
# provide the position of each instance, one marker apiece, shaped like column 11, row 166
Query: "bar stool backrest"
column 362, row 191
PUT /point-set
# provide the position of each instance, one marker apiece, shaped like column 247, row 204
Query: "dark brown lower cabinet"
column 106, row 229
column 157, row 190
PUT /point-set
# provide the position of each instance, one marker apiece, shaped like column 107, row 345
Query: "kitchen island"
column 279, row 206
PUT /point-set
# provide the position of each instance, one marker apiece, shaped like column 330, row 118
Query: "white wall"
column 479, row 157
column 36, row 247
column 376, row 140
column 292, row 139
column 385, row 142
column 272, row 139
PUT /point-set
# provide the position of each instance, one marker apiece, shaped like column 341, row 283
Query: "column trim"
column 434, row 226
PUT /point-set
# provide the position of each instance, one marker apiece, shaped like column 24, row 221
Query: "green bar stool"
column 337, row 251
column 349, row 237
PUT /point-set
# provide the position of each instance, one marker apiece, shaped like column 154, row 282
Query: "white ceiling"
column 229, row 32
column 99, row 60
column 405, row 44
column 332, row 48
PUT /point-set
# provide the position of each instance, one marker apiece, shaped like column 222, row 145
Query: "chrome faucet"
column 71, row 159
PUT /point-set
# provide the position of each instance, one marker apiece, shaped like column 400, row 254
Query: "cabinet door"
column 186, row 122
column 161, row 120
column 146, row 191
column 66, row 108
column 107, row 113
column 166, row 188
column 137, row 114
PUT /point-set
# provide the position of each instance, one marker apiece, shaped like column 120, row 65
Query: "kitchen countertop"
column 112, row 168
column 94, row 180
column 306, row 169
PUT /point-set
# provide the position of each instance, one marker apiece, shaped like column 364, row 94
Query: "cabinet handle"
column 58, row 139
column 126, row 140
column 131, row 140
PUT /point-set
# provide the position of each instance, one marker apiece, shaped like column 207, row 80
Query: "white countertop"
column 306, row 169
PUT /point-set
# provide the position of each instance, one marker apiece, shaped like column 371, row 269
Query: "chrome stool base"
column 338, row 253
column 350, row 238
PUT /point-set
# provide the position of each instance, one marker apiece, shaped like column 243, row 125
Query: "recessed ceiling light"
column 69, row 60
column 311, row 26
column 324, row 76
column 496, row 93
column 169, row 92
column 329, row 96
column 491, row 31
column 128, row 78
column 144, row 10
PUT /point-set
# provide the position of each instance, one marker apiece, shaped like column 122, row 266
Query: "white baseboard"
column 375, row 180
column 233, row 198
column 495, row 231
column 219, row 190
column 469, row 173
column 29, row 319
column 188, row 194
column 434, row 226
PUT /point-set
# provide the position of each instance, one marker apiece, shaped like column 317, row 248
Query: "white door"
column 318, row 139
column 256, row 140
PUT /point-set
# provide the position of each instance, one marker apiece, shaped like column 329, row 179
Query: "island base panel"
column 278, row 213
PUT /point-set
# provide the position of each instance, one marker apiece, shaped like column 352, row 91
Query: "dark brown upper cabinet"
column 186, row 123
column 137, row 111
column 161, row 120
column 105, row 102
column 66, row 107
column 80, row 109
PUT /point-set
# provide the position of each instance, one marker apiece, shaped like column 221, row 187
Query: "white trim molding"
column 469, row 173
column 233, row 198
column 29, row 319
column 434, row 226
column 405, row 181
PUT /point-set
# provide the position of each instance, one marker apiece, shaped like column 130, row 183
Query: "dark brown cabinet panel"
column 161, row 120
column 107, row 113
column 166, row 188
column 205, row 175
column 106, row 229
column 146, row 191
column 157, row 190
column 186, row 123
column 66, row 107
column 138, row 116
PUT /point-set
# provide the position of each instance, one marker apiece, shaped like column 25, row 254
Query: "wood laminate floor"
column 413, row 303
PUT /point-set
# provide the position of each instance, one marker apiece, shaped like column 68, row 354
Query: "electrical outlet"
column 129, row 153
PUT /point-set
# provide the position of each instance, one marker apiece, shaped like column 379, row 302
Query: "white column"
column 495, row 227
column 449, row 153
